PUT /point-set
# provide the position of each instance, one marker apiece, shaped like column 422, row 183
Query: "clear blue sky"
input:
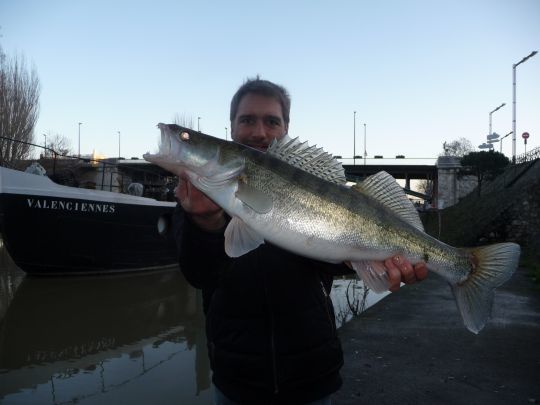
column 417, row 72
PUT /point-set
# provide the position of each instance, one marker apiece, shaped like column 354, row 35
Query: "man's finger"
column 420, row 271
column 405, row 268
column 394, row 275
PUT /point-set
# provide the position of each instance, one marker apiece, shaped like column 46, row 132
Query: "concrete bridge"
column 117, row 174
column 449, row 183
column 357, row 173
column 446, row 188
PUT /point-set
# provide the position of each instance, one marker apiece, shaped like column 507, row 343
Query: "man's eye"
column 274, row 123
column 246, row 120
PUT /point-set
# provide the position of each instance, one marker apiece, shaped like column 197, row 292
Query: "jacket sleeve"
column 201, row 254
column 338, row 269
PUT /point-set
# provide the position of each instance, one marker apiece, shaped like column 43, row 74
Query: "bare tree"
column 59, row 144
column 460, row 147
column 19, row 108
column 425, row 186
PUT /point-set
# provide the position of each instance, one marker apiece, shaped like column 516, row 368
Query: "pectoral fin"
column 240, row 238
column 257, row 200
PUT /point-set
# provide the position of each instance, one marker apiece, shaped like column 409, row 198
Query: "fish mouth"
column 260, row 147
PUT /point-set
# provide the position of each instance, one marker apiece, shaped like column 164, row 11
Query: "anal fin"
column 373, row 274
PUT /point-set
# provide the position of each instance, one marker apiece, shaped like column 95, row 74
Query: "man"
column 270, row 322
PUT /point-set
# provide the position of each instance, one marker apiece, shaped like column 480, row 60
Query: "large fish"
column 295, row 197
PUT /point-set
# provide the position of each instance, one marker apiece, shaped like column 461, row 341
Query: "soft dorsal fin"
column 308, row 158
column 384, row 188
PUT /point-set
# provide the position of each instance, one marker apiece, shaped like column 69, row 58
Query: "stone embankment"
column 508, row 209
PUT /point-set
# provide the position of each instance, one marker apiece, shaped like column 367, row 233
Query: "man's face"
column 259, row 120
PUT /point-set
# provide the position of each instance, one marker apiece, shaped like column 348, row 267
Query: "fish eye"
column 184, row 136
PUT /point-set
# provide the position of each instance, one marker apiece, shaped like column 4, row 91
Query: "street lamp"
column 119, row 145
column 354, row 138
column 511, row 132
column 226, row 134
column 198, row 124
column 45, row 148
column 491, row 112
column 80, row 123
column 365, row 151
column 514, row 103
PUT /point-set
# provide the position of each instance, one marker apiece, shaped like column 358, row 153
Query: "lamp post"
column 45, row 147
column 514, row 103
column 354, row 138
column 198, row 124
column 511, row 132
column 491, row 112
column 365, row 150
column 119, row 145
column 80, row 123
column 226, row 138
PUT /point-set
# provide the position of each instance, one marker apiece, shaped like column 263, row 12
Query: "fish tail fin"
column 492, row 266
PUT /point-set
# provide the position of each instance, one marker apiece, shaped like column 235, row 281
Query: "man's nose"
column 259, row 130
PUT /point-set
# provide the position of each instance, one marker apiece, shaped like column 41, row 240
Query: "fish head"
column 182, row 151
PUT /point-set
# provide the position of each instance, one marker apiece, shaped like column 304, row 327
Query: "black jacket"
column 270, row 322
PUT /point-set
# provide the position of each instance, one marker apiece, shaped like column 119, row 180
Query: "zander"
column 295, row 196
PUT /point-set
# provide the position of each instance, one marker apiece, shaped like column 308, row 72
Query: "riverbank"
column 412, row 348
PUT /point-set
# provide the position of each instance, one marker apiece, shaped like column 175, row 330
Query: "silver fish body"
column 273, row 198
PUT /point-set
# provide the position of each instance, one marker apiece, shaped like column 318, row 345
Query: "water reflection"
column 135, row 338
column 351, row 297
column 132, row 338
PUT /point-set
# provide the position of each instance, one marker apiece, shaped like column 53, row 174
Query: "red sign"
column 525, row 135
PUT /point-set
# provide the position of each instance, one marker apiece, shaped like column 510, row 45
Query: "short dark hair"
column 263, row 88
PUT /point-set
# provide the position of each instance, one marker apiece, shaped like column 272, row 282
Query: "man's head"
column 259, row 113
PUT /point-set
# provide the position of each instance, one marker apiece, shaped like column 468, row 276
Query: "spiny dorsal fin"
column 383, row 188
column 308, row 158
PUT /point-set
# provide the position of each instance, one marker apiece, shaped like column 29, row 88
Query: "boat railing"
column 106, row 165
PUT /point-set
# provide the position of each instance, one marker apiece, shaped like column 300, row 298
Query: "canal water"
column 136, row 338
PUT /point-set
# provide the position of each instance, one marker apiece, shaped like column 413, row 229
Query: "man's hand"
column 401, row 270
column 398, row 269
column 202, row 210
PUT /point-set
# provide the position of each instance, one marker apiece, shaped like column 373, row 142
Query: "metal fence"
column 533, row 154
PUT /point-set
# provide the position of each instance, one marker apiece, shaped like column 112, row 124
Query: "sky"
column 417, row 73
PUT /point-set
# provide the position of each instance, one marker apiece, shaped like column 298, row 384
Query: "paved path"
column 393, row 356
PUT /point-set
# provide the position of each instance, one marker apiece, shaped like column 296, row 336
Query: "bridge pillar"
column 447, row 187
column 407, row 181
